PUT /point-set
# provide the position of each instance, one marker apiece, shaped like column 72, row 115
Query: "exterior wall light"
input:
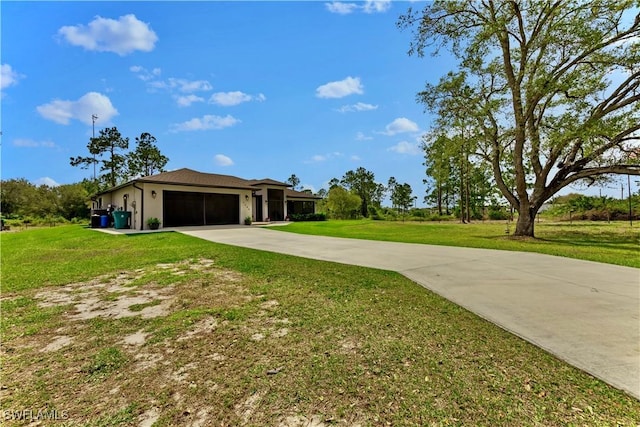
column 153, row 193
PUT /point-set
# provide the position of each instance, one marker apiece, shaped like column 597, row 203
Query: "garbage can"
column 95, row 221
column 104, row 221
column 121, row 219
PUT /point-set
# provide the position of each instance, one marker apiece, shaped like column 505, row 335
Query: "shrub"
column 308, row 217
column 374, row 214
column 498, row 214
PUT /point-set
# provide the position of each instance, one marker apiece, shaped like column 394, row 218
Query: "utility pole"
column 93, row 131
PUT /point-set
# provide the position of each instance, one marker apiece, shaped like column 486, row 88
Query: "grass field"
column 614, row 243
column 163, row 328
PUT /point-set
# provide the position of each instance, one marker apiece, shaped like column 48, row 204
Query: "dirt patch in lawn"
column 180, row 344
column 110, row 296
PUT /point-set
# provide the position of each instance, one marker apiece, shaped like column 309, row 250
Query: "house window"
column 297, row 207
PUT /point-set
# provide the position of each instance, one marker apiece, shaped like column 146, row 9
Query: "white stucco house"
column 185, row 197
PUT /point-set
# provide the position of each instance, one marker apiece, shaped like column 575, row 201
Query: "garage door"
column 186, row 209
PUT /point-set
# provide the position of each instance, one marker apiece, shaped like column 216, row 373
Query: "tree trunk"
column 462, row 195
column 468, row 190
column 526, row 222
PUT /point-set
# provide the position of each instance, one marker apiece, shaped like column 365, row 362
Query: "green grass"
column 104, row 362
column 60, row 255
column 614, row 243
column 286, row 337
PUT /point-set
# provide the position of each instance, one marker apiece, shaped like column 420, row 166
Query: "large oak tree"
column 551, row 88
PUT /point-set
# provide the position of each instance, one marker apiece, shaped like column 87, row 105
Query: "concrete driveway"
column 585, row 313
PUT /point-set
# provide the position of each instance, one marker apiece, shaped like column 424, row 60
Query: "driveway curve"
column 586, row 313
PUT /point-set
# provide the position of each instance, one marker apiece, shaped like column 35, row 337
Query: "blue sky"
column 252, row 89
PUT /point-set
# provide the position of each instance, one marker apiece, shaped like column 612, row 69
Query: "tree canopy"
column 294, row 181
column 546, row 92
column 116, row 166
column 401, row 195
column 362, row 183
column 105, row 149
column 342, row 204
column 21, row 198
column 146, row 159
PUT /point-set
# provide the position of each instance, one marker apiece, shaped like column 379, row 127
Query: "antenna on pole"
column 93, row 129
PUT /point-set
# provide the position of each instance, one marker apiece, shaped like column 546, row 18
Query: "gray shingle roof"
column 268, row 181
column 292, row 194
column 190, row 177
column 299, row 194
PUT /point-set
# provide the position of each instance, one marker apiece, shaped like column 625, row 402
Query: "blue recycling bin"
column 104, row 221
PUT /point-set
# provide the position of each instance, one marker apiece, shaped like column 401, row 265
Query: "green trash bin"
column 121, row 219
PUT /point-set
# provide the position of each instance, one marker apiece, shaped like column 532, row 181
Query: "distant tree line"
column 594, row 208
column 22, row 199
column 358, row 195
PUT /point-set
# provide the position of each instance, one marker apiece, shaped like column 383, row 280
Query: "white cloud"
column 360, row 106
column 122, row 36
column 369, row 6
column 222, row 160
column 362, row 137
column 401, row 125
column 182, row 85
column 49, row 182
column 341, row 7
column 30, row 143
column 355, row 158
column 340, row 89
column 8, row 77
column 404, row 147
column 318, row 158
column 173, row 85
column 228, row 99
column 205, row 123
column 193, row 85
column 144, row 74
column 185, row 101
column 62, row 111
column 376, row 6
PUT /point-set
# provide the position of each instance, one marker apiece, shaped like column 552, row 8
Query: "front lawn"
column 113, row 330
column 612, row 243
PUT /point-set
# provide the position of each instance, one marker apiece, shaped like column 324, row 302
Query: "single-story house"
column 185, row 197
